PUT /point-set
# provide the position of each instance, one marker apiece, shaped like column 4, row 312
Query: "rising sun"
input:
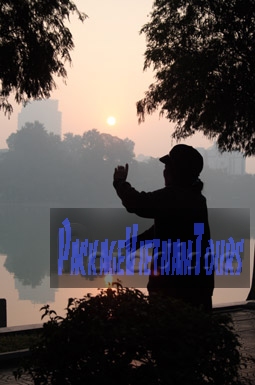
column 111, row 120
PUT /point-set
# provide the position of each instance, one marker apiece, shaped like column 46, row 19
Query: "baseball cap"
column 185, row 159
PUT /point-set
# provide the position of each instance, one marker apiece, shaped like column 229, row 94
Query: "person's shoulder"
column 165, row 191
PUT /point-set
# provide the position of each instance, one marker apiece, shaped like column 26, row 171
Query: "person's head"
column 183, row 165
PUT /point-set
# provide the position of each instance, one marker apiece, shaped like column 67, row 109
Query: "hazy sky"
column 107, row 79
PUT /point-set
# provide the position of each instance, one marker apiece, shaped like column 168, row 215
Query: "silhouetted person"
column 175, row 209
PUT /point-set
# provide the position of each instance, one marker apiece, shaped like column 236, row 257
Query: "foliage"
column 119, row 337
column 202, row 53
column 34, row 46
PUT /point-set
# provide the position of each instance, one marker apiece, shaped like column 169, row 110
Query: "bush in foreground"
column 119, row 337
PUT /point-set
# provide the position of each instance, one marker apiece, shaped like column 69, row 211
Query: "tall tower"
column 43, row 111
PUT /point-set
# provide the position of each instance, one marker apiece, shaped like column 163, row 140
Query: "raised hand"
column 120, row 173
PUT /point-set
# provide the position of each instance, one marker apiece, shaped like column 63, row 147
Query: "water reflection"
column 24, row 238
column 25, row 266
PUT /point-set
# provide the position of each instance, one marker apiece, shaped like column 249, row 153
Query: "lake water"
column 25, row 268
column 25, row 301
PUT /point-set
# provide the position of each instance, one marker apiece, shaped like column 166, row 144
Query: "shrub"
column 120, row 337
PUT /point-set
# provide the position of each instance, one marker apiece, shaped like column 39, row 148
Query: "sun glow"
column 111, row 120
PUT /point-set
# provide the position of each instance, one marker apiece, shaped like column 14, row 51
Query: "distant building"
column 43, row 111
column 232, row 163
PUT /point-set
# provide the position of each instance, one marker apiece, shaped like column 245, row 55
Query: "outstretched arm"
column 142, row 203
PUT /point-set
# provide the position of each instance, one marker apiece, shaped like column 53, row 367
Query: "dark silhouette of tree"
column 34, row 46
column 202, row 53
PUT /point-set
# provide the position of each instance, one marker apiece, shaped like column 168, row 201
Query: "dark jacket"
column 175, row 210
